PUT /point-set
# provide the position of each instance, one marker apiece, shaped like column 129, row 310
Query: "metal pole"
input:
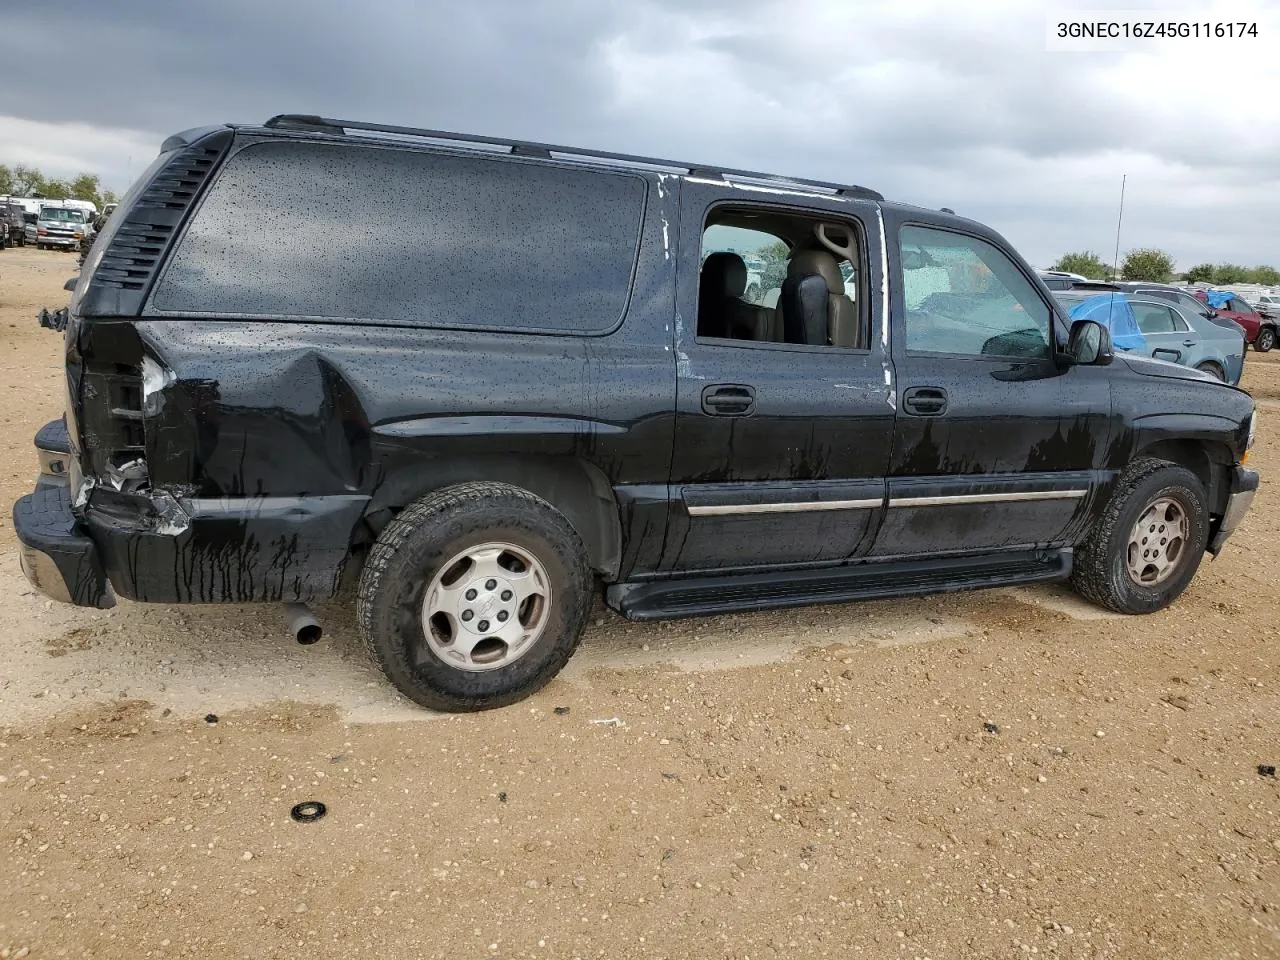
column 1115, row 267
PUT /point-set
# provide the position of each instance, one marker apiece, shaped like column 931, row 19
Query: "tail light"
column 112, row 427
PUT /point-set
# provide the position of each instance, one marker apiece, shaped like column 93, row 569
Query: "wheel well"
column 1210, row 462
column 576, row 488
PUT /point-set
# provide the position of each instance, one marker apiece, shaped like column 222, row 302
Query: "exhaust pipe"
column 302, row 623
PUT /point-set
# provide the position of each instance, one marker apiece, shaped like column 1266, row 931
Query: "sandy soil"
column 808, row 784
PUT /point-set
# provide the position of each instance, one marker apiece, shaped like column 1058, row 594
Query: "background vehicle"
column 1259, row 331
column 11, row 213
column 60, row 226
column 1059, row 279
column 1176, row 335
column 544, row 389
column 4, row 234
column 1267, row 304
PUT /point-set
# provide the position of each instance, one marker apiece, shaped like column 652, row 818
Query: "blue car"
column 1161, row 329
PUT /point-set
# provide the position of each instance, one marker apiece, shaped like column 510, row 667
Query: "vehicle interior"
column 773, row 277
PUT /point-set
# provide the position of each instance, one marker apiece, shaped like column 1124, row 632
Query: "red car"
column 1258, row 330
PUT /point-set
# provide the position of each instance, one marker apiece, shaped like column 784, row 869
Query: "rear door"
column 1168, row 336
column 780, row 449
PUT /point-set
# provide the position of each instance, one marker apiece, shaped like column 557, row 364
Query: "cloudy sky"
column 929, row 101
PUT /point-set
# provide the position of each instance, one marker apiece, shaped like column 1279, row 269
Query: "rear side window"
column 330, row 231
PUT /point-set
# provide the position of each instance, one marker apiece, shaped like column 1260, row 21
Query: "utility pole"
column 1115, row 267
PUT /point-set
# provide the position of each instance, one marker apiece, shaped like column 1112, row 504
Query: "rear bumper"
column 1244, row 486
column 55, row 555
column 155, row 548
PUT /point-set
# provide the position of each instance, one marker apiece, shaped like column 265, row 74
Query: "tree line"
column 21, row 180
column 1156, row 266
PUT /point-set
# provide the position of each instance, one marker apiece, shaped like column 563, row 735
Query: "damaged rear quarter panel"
column 380, row 415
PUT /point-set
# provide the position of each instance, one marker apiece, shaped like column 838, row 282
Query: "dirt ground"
column 806, row 784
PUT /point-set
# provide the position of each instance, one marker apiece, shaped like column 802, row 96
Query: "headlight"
column 1253, row 428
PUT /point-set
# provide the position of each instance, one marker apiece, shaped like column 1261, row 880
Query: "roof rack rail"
column 526, row 148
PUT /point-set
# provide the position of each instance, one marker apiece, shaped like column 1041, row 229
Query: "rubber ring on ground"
column 308, row 811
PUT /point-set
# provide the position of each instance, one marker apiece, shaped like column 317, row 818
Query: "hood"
column 1150, row 367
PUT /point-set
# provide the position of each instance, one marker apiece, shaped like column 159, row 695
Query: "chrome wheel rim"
column 1157, row 542
column 486, row 607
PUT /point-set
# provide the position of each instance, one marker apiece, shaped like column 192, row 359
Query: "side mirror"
column 70, row 284
column 1090, row 344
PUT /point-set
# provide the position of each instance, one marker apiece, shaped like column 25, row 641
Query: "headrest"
column 820, row 262
column 724, row 273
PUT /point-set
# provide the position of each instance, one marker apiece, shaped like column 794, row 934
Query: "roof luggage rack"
column 525, row 148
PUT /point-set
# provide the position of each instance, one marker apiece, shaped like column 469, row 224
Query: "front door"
column 996, row 447
column 780, row 448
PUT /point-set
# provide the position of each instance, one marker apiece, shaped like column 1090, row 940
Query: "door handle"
column 728, row 400
column 925, row 401
column 1188, row 343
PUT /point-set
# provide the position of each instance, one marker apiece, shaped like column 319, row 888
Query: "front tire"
column 1147, row 545
column 474, row 597
column 1266, row 340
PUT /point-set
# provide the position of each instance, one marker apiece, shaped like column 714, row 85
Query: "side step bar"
column 707, row 596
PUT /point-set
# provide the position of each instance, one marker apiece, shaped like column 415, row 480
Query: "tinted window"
column 1153, row 318
column 1239, row 306
column 964, row 297
column 336, row 231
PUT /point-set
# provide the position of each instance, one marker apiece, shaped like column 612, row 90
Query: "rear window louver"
column 137, row 246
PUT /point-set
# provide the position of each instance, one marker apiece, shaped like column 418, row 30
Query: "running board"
column 706, row 596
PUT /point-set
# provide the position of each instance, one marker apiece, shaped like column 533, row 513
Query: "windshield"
column 62, row 214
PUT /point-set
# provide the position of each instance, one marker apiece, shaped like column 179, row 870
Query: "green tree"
column 1154, row 266
column 1086, row 263
column 6, row 180
column 775, row 264
column 1230, row 273
column 1200, row 273
column 109, row 196
column 1267, row 276
column 85, row 187
column 56, row 189
column 27, row 180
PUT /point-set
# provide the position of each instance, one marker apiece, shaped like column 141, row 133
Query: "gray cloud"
column 930, row 102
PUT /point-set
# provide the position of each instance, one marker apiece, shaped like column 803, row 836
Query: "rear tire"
column 1213, row 370
column 1266, row 340
column 1148, row 543
column 428, row 551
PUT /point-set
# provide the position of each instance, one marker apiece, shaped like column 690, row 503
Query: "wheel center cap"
column 488, row 606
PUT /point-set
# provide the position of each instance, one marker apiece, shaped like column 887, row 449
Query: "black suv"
column 13, row 223
column 528, row 381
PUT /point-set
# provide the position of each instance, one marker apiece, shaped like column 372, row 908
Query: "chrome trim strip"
column 986, row 498
column 731, row 509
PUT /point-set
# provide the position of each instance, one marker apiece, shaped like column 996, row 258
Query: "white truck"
column 60, row 223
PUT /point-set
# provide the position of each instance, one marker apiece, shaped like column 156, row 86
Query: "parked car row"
column 1217, row 325
column 48, row 224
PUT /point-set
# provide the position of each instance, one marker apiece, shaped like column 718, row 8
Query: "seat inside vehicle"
column 774, row 277
column 722, row 313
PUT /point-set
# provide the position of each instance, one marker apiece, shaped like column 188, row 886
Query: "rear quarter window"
column 338, row 232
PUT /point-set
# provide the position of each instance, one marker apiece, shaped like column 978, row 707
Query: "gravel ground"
column 816, row 783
